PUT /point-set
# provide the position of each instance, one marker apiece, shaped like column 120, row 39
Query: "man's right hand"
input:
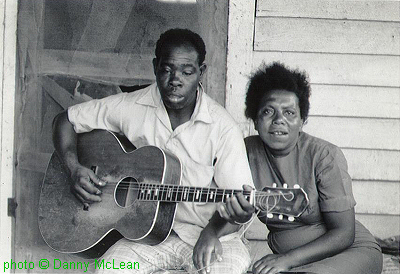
column 85, row 185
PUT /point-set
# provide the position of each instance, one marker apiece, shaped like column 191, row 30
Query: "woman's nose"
column 278, row 118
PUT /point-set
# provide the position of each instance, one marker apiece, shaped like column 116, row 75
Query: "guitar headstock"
column 289, row 202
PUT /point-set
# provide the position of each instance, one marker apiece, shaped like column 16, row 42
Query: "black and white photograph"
column 200, row 136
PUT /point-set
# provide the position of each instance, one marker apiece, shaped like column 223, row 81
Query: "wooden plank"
column 322, row 35
column 356, row 132
column 8, row 114
column 213, row 21
column 377, row 197
column 358, row 10
column 339, row 69
column 378, row 102
column 59, row 94
column 382, row 226
column 239, row 54
column 116, row 67
column 33, row 161
column 379, row 165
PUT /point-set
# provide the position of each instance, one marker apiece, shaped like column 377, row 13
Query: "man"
column 176, row 115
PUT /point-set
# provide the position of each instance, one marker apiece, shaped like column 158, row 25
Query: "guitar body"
column 67, row 227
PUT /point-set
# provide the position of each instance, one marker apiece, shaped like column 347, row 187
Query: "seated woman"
column 326, row 238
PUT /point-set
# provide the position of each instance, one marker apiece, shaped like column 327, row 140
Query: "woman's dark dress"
column 320, row 168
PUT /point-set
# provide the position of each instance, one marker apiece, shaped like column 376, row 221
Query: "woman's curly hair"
column 277, row 77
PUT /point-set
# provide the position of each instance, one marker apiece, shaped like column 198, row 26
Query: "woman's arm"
column 339, row 236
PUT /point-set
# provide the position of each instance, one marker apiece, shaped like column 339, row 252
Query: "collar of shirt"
column 201, row 112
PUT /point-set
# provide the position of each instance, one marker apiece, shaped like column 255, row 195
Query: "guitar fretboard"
column 177, row 193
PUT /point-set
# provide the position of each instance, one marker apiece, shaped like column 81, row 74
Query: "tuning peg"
column 280, row 217
column 285, row 186
column 291, row 219
column 270, row 215
column 296, row 186
column 274, row 185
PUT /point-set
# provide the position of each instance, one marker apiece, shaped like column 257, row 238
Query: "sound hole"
column 126, row 192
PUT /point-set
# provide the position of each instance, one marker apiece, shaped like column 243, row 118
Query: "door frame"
column 8, row 54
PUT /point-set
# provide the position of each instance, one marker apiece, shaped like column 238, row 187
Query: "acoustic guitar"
column 140, row 198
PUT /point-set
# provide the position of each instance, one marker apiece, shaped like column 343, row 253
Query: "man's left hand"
column 207, row 249
column 237, row 209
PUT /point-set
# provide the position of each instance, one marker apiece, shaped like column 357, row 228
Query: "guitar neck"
column 177, row 193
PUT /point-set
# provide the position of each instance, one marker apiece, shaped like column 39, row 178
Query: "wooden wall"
column 351, row 51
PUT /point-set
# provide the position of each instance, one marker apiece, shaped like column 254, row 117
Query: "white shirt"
column 210, row 145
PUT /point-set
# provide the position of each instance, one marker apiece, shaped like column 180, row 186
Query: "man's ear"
column 203, row 68
column 155, row 63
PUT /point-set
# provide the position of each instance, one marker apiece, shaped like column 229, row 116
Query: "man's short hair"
column 177, row 37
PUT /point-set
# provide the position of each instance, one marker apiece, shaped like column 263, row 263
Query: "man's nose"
column 174, row 79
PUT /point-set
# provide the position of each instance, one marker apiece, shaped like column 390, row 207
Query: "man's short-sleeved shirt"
column 210, row 145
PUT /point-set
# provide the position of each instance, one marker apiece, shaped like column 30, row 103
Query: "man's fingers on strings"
column 96, row 180
column 90, row 188
column 89, row 198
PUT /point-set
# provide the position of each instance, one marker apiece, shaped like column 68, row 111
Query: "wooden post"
column 240, row 57
column 8, row 31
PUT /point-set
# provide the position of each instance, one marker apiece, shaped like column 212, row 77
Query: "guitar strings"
column 288, row 195
column 261, row 198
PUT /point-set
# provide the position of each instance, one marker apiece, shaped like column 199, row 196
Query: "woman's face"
column 279, row 122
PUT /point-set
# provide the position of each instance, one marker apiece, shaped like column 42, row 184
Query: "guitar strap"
column 272, row 163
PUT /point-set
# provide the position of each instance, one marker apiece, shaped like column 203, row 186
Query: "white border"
column 8, row 49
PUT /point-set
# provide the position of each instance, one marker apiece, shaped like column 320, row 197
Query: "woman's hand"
column 85, row 185
column 271, row 264
column 207, row 249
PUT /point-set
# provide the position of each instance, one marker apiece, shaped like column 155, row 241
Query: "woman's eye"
column 268, row 111
column 290, row 112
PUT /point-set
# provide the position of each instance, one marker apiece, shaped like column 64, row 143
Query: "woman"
column 326, row 238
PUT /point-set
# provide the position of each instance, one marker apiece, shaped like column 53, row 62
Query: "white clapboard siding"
column 352, row 10
column 377, row 197
column 322, row 35
column 357, row 101
column 356, row 132
column 381, row 226
column 379, row 165
column 351, row 52
column 92, row 64
column 339, row 69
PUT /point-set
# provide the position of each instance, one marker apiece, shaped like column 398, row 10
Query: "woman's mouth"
column 278, row 133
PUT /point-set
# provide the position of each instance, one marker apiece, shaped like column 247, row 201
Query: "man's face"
column 178, row 74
